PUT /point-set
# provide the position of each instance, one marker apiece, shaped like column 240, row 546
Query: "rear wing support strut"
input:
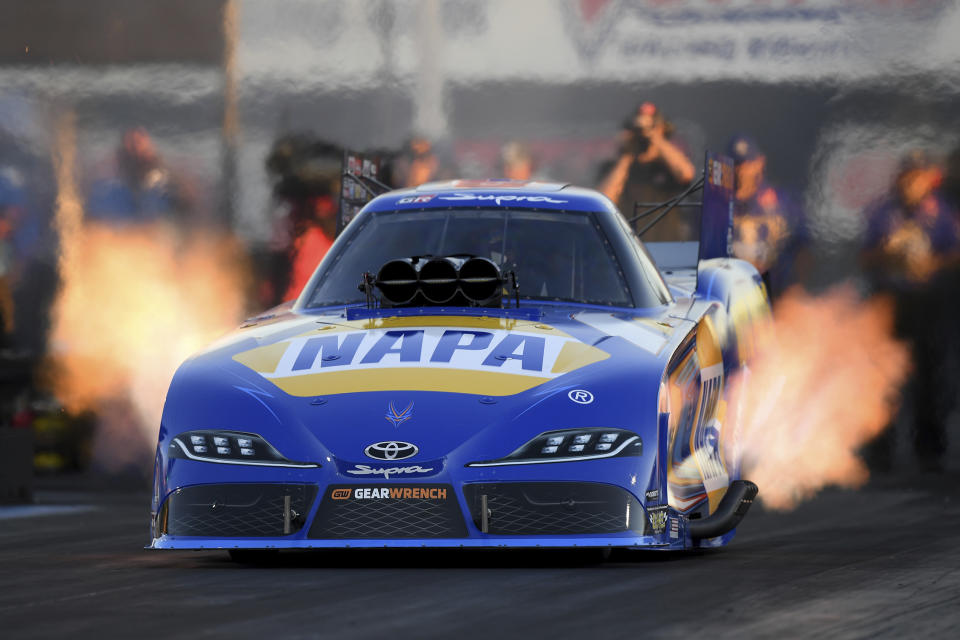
column 716, row 207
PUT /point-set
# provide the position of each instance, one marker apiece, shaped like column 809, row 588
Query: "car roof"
column 493, row 194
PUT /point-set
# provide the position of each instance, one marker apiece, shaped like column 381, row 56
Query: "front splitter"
column 646, row 542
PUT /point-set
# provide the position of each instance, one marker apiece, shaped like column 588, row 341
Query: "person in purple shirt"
column 912, row 232
column 768, row 226
column 910, row 252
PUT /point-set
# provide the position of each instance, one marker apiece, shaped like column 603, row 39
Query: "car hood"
column 470, row 386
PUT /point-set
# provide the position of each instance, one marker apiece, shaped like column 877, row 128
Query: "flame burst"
column 133, row 303
column 826, row 384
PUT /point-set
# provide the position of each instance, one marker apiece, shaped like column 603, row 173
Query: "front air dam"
column 731, row 510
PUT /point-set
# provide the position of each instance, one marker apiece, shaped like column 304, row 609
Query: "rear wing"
column 360, row 183
column 716, row 211
column 715, row 233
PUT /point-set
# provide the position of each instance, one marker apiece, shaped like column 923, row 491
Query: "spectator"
column 650, row 167
column 910, row 252
column 312, row 237
column 516, row 161
column 951, row 180
column 416, row 164
column 305, row 176
column 12, row 202
column 143, row 189
column 768, row 229
column 27, row 243
column 912, row 232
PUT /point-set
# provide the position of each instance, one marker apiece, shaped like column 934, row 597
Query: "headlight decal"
column 231, row 447
column 572, row 445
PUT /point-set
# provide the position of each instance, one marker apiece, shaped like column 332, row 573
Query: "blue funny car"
column 473, row 364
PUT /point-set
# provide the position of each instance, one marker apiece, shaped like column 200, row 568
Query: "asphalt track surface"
column 884, row 561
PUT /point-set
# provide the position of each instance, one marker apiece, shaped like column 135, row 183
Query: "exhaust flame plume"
column 826, row 384
column 133, row 303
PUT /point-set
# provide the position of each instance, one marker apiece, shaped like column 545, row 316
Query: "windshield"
column 556, row 256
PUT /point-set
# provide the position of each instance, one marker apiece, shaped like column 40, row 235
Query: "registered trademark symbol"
column 581, row 396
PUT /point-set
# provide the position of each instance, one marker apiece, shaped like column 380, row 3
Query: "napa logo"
column 426, row 358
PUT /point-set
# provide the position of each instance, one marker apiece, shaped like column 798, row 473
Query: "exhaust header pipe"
column 397, row 281
column 438, row 280
column 480, row 281
column 453, row 281
column 731, row 510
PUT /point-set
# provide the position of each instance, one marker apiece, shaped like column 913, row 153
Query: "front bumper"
column 215, row 507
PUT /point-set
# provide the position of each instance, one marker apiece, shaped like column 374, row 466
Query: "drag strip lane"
column 848, row 564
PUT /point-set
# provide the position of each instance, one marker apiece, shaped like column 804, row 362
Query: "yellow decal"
column 263, row 359
column 486, row 356
column 575, row 355
column 470, row 322
column 405, row 379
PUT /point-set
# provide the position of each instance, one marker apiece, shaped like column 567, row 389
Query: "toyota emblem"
column 391, row 450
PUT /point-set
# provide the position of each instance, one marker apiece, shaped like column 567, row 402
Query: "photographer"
column 650, row 168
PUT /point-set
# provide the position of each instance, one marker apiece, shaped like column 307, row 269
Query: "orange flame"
column 133, row 303
column 826, row 384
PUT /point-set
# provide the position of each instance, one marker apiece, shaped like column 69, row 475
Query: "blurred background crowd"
column 228, row 119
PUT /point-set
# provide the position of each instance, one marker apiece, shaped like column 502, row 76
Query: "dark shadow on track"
column 438, row 558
